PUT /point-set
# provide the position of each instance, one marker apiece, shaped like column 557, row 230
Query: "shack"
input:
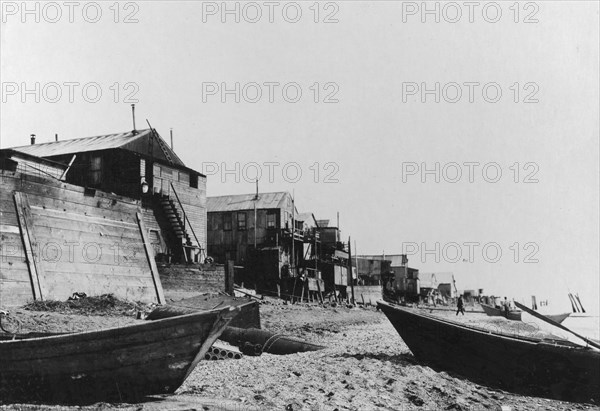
column 261, row 234
column 58, row 238
column 139, row 165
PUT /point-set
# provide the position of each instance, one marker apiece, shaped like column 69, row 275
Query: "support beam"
column 160, row 295
column 26, row 225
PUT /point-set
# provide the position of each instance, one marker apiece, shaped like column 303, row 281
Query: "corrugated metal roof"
column 128, row 141
column 246, row 202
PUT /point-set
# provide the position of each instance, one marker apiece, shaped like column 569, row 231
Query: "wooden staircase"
column 175, row 219
column 177, row 222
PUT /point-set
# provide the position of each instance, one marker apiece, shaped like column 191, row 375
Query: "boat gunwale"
column 106, row 333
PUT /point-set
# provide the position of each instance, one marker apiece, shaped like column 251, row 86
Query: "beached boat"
column 498, row 312
column 547, row 368
column 118, row 364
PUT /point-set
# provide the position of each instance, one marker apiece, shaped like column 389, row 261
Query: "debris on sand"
column 105, row 304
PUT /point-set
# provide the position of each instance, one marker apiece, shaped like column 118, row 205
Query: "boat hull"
column 523, row 365
column 119, row 364
column 496, row 312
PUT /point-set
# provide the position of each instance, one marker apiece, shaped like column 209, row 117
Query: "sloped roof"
column 138, row 142
column 308, row 218
column 246, row 202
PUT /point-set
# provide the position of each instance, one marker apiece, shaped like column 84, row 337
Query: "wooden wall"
column 193, row 199
column 236, row 241
column 79, row 241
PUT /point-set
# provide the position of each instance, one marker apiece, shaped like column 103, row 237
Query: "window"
column 194, row 181
column 227, row 222
column 95, row 171
column 241, row 221
column 271, row 220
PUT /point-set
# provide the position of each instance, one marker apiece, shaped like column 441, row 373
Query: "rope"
column 275, row 338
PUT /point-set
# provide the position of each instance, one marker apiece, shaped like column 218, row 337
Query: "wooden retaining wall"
column 370, row 294
column 58, row 238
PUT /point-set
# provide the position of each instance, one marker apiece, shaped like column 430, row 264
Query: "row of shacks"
column 65, row 203
column 130, row 193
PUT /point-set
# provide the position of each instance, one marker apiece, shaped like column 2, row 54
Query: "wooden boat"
column 498, row 312
column 118, row 364
column 554, row 369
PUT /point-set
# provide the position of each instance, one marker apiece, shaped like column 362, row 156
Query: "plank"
column 150, row 255
column 50, row 203
column 93, row 233
column 24, row 217
column 35, row 184
column 9, row 229
column 62, row 286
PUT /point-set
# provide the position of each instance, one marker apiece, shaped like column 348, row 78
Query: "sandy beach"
column 366, row 366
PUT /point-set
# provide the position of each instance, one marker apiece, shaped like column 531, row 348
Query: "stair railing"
column 185, row 218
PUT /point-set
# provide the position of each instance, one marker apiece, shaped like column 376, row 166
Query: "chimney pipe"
column 171, row 138
column 133, row 114
column 32, row 139
column 55, row 137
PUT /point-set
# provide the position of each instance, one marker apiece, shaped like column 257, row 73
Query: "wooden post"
column 319, row 289
column 351, row 273
column 229, row 277
column 160, row 295
column 24, row 217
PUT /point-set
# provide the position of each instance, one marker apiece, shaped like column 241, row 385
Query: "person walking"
column 460, row 305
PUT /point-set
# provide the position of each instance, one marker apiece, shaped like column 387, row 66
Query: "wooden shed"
column 58, row 238
column 139, row 165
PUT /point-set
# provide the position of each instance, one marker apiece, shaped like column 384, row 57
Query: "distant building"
column 263, row 233
column 272, row 244
column 139, row 165
column 403, row 280
column 443, row 282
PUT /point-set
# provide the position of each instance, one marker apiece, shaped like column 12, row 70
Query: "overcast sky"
column 361, row 120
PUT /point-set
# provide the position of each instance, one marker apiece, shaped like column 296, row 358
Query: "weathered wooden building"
column 257, row 232
column 58, row 238
column 139, row 165
column 333, row 259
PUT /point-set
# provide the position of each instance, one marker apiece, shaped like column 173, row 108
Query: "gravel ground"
column 365, row 367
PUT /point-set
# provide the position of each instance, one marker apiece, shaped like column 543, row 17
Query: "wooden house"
column 255, row 231
column 139, row 165
column 58, row 238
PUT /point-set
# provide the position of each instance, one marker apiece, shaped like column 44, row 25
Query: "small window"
column 194, row 180
column 227, row 222
column 95, row 170
column 271, row 220
column 241, row 221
